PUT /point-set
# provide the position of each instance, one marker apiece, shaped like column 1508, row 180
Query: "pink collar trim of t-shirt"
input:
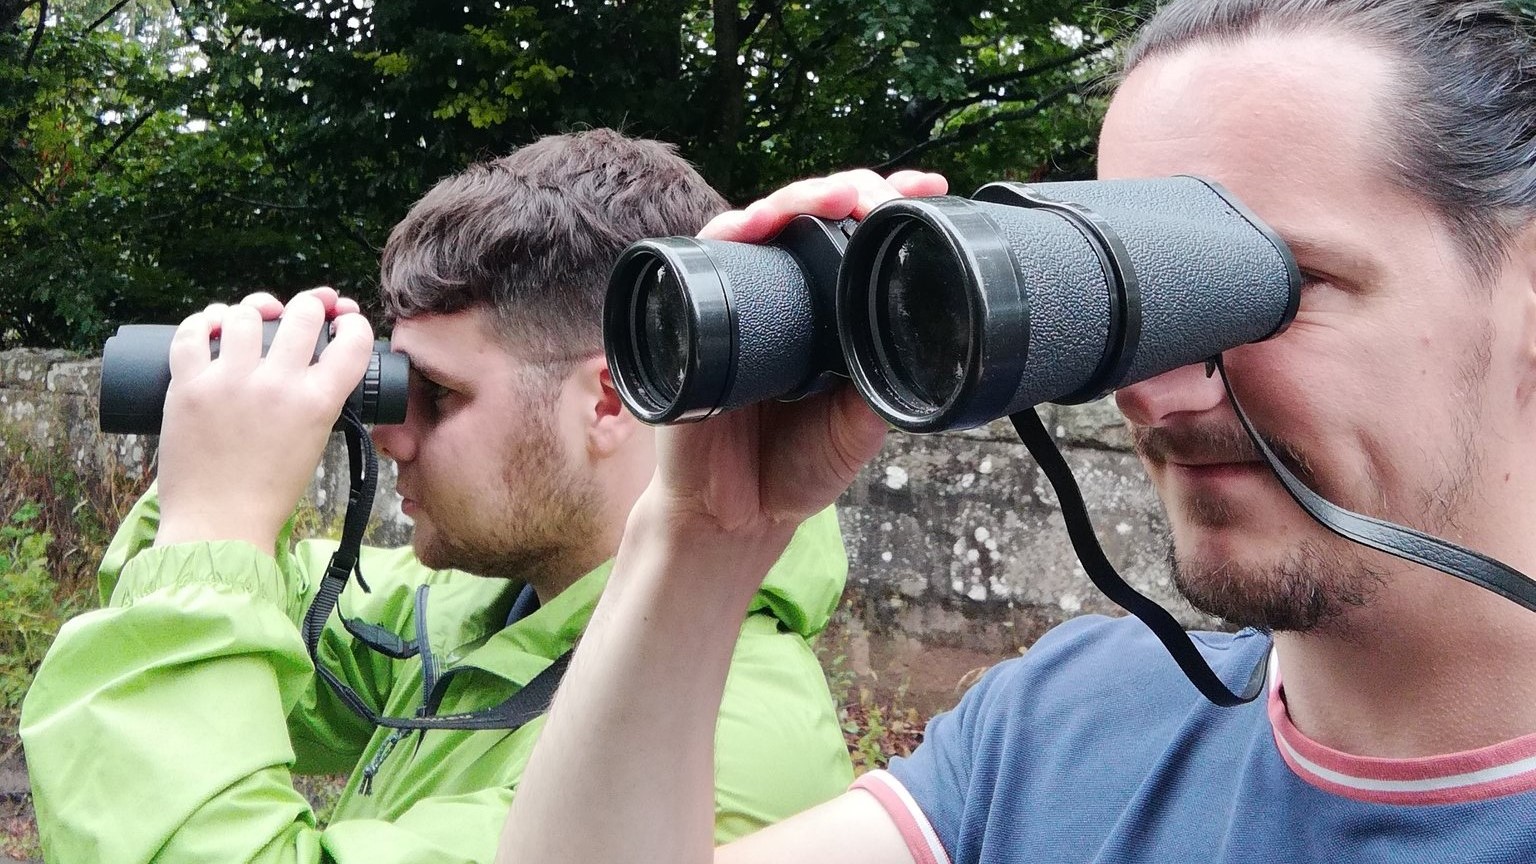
column 1474, row 775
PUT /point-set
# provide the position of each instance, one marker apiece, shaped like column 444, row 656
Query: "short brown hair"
column 532, row 235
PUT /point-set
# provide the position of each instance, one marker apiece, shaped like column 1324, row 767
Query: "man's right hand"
column 756, row 473
column 243, row 433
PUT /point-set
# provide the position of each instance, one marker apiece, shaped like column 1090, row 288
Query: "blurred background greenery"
column 159, row 154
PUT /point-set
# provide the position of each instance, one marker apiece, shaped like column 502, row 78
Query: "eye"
column 428, row 394
column 433, row 391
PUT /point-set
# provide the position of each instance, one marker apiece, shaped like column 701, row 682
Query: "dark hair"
column 1464, row 108
column 532, row 236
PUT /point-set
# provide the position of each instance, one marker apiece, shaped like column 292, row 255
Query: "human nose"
column 1185, row 390
column 398, row 440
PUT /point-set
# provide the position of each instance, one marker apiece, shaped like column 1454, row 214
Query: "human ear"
column 609, row 425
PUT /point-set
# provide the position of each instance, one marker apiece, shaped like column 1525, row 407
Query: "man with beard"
column 155, row 729
column 1392, row 144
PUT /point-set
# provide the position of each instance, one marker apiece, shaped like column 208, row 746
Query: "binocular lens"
column 662, row 345
column 924, row 315
column 693, row 327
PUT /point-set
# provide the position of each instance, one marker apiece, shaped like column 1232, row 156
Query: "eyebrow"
column 435, row 373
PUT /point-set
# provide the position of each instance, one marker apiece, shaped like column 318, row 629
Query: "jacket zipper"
column 372, row 769
column 428, row 680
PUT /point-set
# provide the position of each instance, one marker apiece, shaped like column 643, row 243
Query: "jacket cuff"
column 230, row 564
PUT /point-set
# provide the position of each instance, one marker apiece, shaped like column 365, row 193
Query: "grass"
column 55, row 524
column 877, row 722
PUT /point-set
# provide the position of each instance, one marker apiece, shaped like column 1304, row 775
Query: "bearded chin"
column 1308, row 590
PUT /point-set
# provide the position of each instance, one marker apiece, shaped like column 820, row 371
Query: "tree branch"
column 971, row 130
column 103, row 19
column 985, row 85
column 357, row 236
column 1083, row 53
column 266, row 205
column 754, row 19
column 37, row 34
column 122, row 137
column 37, row 194
column 181, row 19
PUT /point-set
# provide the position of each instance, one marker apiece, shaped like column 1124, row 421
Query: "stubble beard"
column 547, row 518
column 1307, row 590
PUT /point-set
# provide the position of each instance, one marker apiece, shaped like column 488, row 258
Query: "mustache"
column 1208, row 443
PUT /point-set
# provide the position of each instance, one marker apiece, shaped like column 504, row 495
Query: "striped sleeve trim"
column 922, row 841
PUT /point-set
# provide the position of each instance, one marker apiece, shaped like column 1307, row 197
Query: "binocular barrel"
column 695, row 327
column 136, row 373
column 951, row 312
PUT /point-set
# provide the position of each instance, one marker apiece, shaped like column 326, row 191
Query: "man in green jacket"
column 155, row 730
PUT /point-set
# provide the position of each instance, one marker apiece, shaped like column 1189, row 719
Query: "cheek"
column 1304, row 373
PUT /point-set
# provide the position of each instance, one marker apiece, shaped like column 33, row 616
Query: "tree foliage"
column 158, row 155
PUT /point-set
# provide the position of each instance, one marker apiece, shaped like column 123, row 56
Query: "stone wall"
column 956, row 541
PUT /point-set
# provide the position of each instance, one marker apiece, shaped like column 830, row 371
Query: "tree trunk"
column 730, row 91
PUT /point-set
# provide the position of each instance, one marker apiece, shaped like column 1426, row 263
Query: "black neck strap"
column 529, row 702
column 1104, row 576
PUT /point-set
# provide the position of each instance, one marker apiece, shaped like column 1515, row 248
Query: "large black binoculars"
column 949, row 312
column 136, row 371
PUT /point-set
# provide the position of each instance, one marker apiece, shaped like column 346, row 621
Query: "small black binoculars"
column 136, row 372
column 949, row 312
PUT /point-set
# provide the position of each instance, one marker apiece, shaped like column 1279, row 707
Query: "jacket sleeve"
column 328, row 737
column 155, row 729
column 779, row 748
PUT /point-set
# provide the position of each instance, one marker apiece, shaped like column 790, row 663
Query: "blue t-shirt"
column 1094, row 748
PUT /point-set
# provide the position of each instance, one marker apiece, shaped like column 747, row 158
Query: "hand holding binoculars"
column 136, row 373
column 949, row 312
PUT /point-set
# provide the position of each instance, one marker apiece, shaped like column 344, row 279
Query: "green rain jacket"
column 155, row 729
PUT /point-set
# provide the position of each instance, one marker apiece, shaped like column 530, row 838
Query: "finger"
column 269, row 306
column 726, row 226
column 215, row 313
column 240, row 338
column 345, row 359
column 189, row 353
column 763, row 219
column 327, row 297
column 871, row 190
column 828, row 197
column 294, row 345
column 334, row 303
column 919, row 184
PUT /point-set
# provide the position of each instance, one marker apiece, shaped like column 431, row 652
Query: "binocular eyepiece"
column 949, row 312
column 136, row 372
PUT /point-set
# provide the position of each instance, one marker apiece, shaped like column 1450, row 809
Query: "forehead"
column 1294, row 125
column 458, row 346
